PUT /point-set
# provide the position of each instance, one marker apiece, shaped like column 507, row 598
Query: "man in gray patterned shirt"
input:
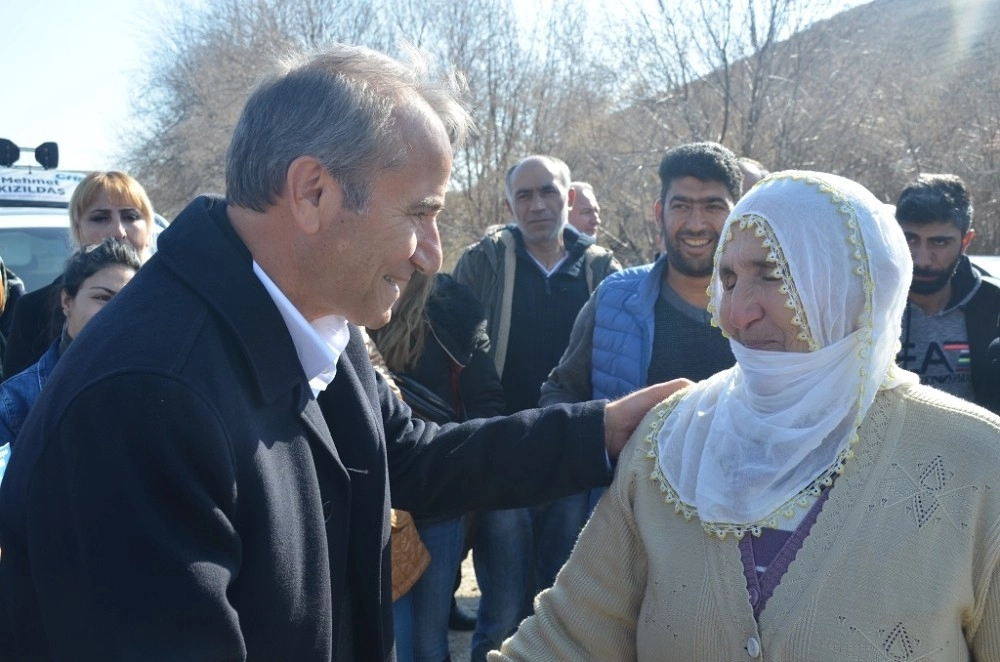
column 953, row 312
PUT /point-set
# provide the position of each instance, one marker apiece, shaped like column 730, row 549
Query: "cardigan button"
column 753, row 647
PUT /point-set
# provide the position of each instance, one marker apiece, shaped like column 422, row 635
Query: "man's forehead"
column 533, row 174
column 585, row 197
column 688, row 186
column 931, row 229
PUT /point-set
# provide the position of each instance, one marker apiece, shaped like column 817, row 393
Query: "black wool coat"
column 177, row 493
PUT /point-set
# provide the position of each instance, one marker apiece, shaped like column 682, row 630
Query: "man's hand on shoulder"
column 623, row 415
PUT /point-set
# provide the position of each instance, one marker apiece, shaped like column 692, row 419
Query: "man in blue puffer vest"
column 649, row 324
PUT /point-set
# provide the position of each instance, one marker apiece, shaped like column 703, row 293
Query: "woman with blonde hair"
column 104, row 205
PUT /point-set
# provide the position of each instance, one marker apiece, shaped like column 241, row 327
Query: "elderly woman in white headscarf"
column 814, row 501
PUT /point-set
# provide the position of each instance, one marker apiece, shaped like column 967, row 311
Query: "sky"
column 69, row 70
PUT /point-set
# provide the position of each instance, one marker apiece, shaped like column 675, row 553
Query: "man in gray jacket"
column 532, row 277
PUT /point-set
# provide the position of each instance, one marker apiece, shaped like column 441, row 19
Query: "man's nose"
column 921, row 256
column 427, row 257
column 700, row 215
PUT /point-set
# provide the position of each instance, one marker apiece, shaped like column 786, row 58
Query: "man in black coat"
column 207, row 472
column 953, row 309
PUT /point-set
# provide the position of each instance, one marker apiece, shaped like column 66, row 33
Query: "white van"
column 34, row 222
column 991, row 263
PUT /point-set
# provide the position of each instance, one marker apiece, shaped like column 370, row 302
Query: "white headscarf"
column 752, row 441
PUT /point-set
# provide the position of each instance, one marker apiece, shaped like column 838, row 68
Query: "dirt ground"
column 468, row 597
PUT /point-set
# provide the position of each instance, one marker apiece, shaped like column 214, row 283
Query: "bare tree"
column 198, row 83
column 526, row 80
column 877, row 93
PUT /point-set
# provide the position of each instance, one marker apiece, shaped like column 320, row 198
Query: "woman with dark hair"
column 104, row 204
column 437, row 348
column 93, row 275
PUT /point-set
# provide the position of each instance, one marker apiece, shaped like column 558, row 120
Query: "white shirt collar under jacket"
column 318, row 344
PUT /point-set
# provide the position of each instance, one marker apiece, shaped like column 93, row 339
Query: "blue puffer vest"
column 623, row 329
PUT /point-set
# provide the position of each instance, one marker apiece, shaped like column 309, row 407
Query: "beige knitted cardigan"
column 900, row 565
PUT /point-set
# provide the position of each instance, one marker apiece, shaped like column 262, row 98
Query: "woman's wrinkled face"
column 94, row 293
column 105, row 217
column 753, row 309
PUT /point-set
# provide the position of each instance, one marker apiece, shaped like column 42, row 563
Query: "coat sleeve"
column 131, row 536
column 482, row 392
column 467, row 268
column 591, row 611
column 570, row 380
column 512, row 461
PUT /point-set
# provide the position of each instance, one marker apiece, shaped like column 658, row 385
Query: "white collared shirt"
column 318, row 344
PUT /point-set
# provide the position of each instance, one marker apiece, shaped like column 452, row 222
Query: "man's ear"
column 506, row 205
column 571, row 196
column 661, row 239
column 967, row 239
column 311, row 192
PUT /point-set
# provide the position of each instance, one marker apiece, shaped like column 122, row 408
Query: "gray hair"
column 342, row 107
column 562, row 172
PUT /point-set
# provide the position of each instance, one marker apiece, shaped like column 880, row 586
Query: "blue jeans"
column 402, row 625
column 517, row 553
column 431, row 595
column 557, row 525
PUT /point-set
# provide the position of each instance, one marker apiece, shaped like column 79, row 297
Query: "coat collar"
column 203, row 250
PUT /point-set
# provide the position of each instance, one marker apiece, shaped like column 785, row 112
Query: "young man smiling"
column 650, row 323
column 952, row 313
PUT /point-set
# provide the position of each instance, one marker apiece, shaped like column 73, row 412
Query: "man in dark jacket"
column 953, row 313
column 207, row 474
column 532, row 277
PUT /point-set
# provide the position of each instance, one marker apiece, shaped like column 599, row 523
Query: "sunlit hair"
column 705, row 161
column 342, row 106
column 87, row 261
column 121, row 188
column 562, row 173
column 936, row 198
column 401, row 341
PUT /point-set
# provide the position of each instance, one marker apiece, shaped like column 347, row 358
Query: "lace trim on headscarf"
column 804, row 499
column 861, row 267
